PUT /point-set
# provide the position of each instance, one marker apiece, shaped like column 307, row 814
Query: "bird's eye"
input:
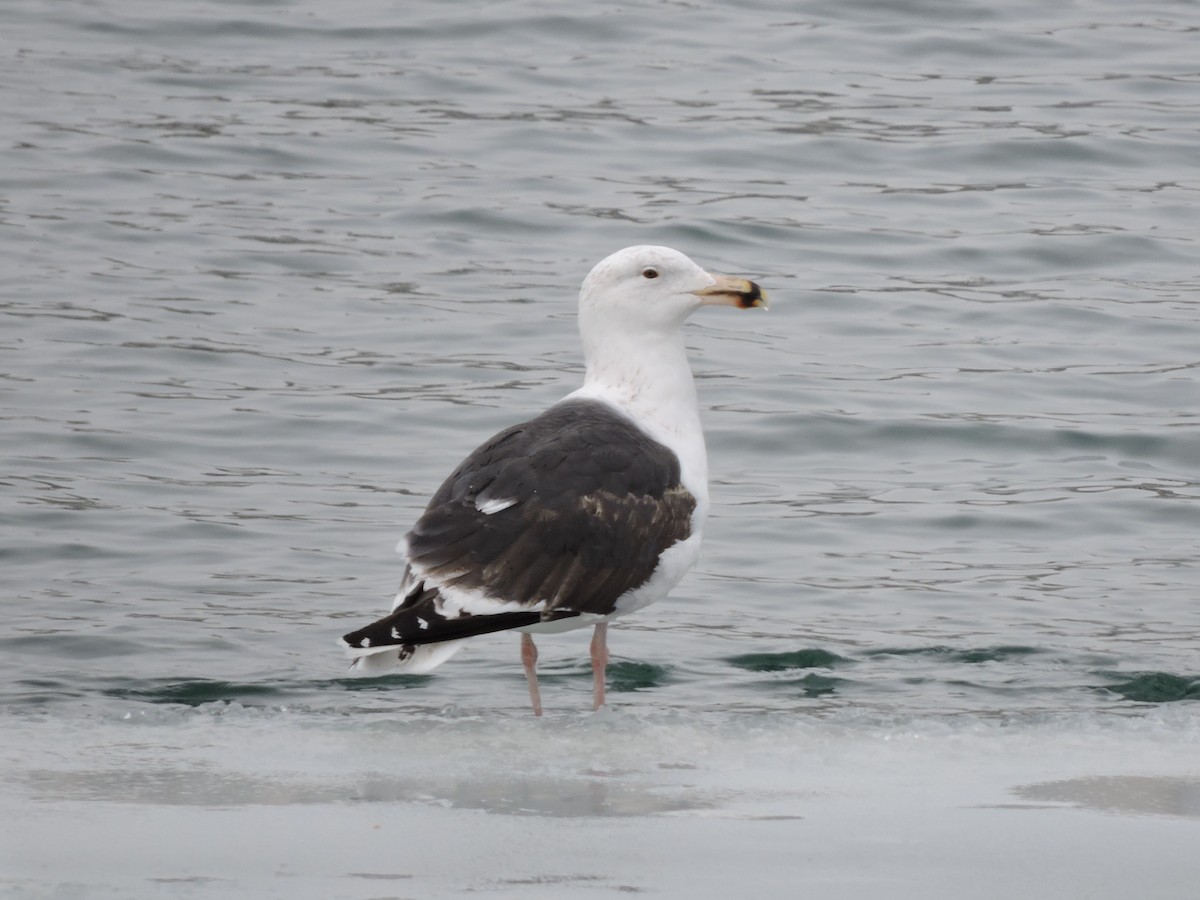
column 649, row 273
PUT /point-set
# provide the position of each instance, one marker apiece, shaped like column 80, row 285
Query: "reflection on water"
column 1136, row 794
column 590, row 794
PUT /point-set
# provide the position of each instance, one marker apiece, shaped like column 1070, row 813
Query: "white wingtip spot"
column 491, row 507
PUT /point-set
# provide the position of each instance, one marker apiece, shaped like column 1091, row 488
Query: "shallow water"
column 270, row 269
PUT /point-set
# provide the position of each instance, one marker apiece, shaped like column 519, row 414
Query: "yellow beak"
column 729, row 291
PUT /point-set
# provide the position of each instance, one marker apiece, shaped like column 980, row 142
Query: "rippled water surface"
column 270, row 269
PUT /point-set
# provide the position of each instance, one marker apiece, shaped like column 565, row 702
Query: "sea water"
column 269, row 270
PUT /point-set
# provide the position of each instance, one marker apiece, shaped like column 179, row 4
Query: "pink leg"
column 599, row 663
column 529, row 656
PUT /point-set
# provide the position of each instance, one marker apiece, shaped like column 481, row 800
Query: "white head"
column 654, row 289
column 631, row 308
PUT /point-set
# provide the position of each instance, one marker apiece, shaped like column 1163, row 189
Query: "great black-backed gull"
column 589, row 511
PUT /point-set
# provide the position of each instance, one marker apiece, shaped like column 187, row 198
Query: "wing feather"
column 594, row 503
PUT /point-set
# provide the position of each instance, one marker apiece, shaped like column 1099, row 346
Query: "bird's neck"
column 648, row 376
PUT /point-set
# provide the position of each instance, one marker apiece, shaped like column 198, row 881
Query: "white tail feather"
column 423, row 658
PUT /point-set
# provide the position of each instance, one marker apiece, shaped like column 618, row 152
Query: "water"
column 270, row 269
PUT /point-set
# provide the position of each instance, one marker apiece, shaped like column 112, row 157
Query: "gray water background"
column 268, row 270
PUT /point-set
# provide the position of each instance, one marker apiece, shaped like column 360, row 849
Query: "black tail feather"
column 404, row 626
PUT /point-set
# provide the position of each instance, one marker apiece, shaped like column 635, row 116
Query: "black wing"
column 594, row 503
column 597, row 501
